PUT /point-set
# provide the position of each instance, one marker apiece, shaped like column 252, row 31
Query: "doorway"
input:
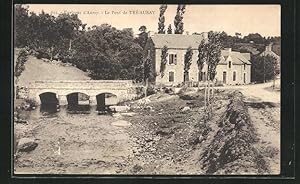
column 224, row 77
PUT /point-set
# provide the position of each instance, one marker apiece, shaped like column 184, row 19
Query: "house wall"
column 239, row 69
column 178, row 69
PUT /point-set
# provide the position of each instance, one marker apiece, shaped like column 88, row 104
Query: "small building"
column 233, row 68
column 272, row 50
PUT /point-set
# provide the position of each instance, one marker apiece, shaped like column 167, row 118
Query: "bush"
column 219, row 83
column 30, row 104
column 42, row 53
column 151, row 90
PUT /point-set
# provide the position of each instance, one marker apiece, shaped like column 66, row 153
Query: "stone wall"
column 124, row 90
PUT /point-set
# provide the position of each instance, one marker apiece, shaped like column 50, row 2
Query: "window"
column 172, row 59
column 234, row 76
column 201, row 76
column 171, row 76
column 244, row 66
column 229, row 64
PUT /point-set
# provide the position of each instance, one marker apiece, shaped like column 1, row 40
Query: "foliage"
column 210, row 53
column 148, row 68
column 21, row 26
column 169, row 29
column 264, row 68
column 161, row 19
column 202, row 56
column 20, row 63
column 178, row 23
column 108, row 53
column 164, row 55
column 142, row 36
column 188, row 60
column 44, row 33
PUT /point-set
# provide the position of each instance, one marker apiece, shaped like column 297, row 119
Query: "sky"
column 244, row 19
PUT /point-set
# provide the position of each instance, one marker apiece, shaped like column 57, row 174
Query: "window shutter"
column 175, row 59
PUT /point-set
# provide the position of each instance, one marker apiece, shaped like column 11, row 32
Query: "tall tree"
column 170, row 29
column 161, row 19
column 164, row 55
column 210, row 53
column 187, row 63
column 202, row 56
column 178, row 21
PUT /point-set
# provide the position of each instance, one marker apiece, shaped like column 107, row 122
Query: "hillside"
column 37, row 69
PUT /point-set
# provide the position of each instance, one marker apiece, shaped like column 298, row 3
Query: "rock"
column 26, row 145
column 121, row 123
column 121, row 108
column 185, row 109
column 130, row 114
column 137, row 168
column 117, row 115
column 148, row 108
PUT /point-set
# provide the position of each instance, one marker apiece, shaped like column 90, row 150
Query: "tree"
column 21, row 26
column 20, row 63
column 20, row 67
column 255, row 37
column 164, row 55
column 187, row 63
column 108, row 53
column 264, row 68
column 210, row 53
column 178, row 23
column 202, row 56
column 142, row 36
column 161, row 19
column 169, row 29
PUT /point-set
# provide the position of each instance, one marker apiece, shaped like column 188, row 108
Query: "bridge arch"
column 49, row 102
column 78, row 98
column 48, row 98
column 106, row 98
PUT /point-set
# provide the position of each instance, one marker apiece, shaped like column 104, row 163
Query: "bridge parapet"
column 83, row 84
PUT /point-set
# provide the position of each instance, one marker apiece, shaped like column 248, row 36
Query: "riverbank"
column 161, row 134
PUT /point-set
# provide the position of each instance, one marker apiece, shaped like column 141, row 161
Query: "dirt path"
column 264, row 111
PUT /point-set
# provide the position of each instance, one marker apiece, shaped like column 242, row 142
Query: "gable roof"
column 177, row 41
column 237, row 58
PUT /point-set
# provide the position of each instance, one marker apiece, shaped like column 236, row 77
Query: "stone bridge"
column 123, row 89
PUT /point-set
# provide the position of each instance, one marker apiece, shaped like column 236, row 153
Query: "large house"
column 233, row 68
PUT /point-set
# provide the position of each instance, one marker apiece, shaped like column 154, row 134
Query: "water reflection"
column 78, row 109
column 49, row 108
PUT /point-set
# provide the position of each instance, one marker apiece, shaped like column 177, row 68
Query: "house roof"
column 237, row 58
column 177, row 41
